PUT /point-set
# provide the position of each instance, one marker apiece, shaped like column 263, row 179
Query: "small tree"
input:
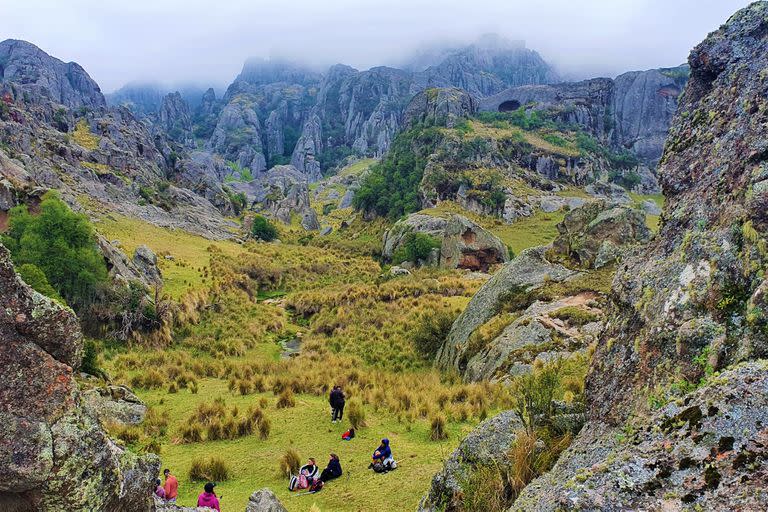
column 263, row 229
column 534, row 396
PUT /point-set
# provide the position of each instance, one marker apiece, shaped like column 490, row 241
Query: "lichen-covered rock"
column 463, row 244
column 56, row 456
column 488, row 444
column 702, row 452
column 176, row 118
column 115, row 404
column 145, row 261
column 237, row 136
column 594, row 235
column 527, row 271
column 264, row 500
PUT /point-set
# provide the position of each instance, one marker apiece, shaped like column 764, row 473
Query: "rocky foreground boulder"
column 56, row 455
column 462, row 243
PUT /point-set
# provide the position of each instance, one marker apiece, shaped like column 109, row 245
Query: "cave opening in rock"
column 509, row 106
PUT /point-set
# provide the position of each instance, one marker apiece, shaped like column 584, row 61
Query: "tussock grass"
column 209, row 469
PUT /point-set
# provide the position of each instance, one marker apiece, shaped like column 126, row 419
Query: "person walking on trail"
column 333, row 470
column 337, row 400
column 171, row 487
column 159, row 491
column 208, row 498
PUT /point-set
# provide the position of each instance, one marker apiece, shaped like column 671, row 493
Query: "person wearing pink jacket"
column 208, row 498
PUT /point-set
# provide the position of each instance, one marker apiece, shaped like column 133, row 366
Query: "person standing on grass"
column 171, row 486
column 208, row 498
column 337, row 400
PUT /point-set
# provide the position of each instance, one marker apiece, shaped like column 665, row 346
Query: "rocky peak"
column 441, row 107
column 258, row 71
column 37, row 72
column 175, row 117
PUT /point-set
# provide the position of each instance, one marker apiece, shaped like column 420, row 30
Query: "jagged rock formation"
column 175, row 118
column 462, row 243
column 264, row 500
column 104, row 155
column 115, row 404
column 677, row 392
column 56, row 454
column 633, row 111
column 41, row 75
column 441, row 107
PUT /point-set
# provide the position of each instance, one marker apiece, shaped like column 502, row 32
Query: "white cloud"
column 207, row 41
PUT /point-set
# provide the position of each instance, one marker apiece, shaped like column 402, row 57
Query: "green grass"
column 651, row 220
column 306, row 428
column 357, row 168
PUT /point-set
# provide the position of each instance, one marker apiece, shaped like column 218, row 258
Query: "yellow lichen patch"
column 84, row 137
column 100, row 169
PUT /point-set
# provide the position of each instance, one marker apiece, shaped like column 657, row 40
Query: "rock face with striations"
column 176, row 118
column 56, row 454
column 440, row 107
column 34, row 70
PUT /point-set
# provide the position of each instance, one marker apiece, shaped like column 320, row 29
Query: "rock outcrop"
column 56, row 454
column 116, row 404
column 462, row 243
column 487, row 445
column 264, row 500
column 175, row 118
column 35, row 71
column 440, row 107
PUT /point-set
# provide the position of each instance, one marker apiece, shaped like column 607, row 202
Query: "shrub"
column 533, row 396
column 430, row 334
column 416, row 247
column 265, row 427
column 35, row 278
column 263, row 229
column 289, row 463
column 437, row 430
column 211, row 469
column 90, row 362
column 191, row 433
column 356, row 413
column 486, row 489
column 286, row 399
column 62, row 245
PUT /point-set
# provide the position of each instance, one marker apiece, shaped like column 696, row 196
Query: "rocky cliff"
column 56, row 454
column 44, row 76
column 677, row 388
column 633, row 111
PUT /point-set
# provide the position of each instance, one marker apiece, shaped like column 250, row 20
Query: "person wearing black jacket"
column 333, row 470
column 337, row 403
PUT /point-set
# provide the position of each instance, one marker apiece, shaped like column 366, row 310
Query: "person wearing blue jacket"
column 383, row 454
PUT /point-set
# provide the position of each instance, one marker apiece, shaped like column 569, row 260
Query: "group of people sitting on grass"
column 308, row 478
column 169, row 491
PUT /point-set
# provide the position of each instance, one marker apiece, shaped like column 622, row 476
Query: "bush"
column 263, row 229
column 191, row 433
column 90, row 362
column 35, row 278
column 290, row 463
column 416, row 247
column 209, row 469
column 534, row 394
column 62, row 245
column 430, row 334
column 486, row 489
column 356, row 413
column 437, row 430
column 285, row 399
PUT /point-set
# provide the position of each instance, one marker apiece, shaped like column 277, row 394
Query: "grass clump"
column 290, row 463
column 286, row 399
column 209, row 469
column 575, row 315
column 356, row 414
column 437, row 430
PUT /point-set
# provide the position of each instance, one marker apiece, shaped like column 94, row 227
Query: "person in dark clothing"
column 383, row 453
column 336, row 400
column 333, row 470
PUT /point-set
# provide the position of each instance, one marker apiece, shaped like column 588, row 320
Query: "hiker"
column 337, row 404
column 309, row 470
column 382, row 458
column 333, row 470
column 208, row 498
column 159, row 491
column 348, row 435
column 171, row 486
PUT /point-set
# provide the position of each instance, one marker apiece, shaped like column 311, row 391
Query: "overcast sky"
column 207, row 41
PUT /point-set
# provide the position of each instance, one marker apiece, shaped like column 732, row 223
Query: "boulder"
column 528, row 271
column 264, row 500
column 58, row 455
column 595, row 234
column 610, row 192
column 463, row 244
column 488, row 444
column 145, row 261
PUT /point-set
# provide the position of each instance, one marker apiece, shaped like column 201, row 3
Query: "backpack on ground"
column 293, row 483
column 378, row 467
column 392, row 464
column 303, row 482
column 316, row 486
